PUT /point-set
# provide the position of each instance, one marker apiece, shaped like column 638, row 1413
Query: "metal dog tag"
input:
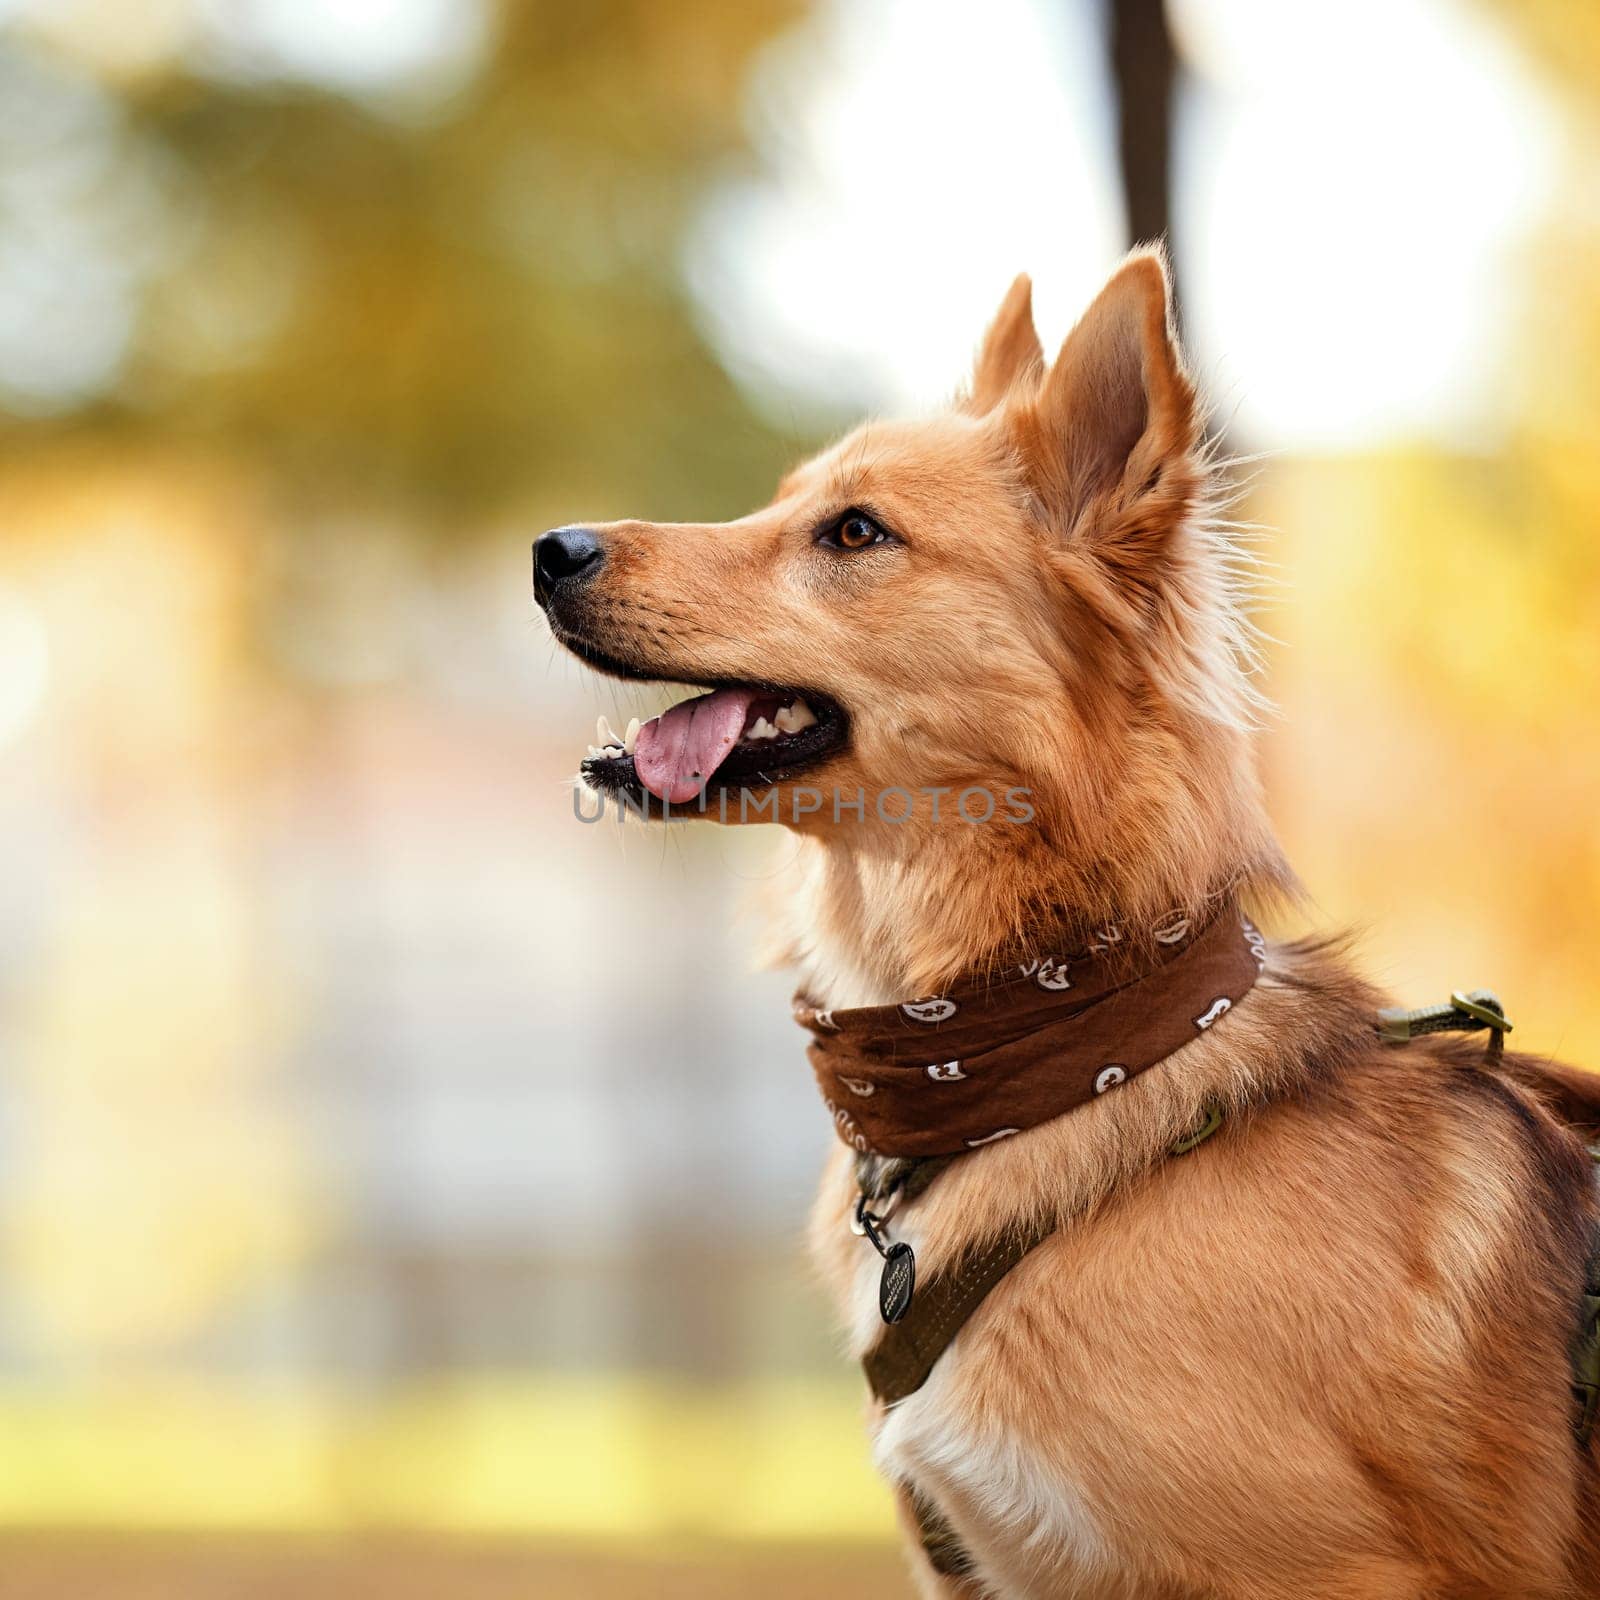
column 898, row 1283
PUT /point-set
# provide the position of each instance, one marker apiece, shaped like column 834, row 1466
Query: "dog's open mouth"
column 737, row 736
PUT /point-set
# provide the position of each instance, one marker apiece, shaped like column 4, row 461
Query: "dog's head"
column 1028, row 592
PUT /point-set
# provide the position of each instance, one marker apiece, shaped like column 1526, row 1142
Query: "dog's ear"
column 1108, row 441
column 1010, row 353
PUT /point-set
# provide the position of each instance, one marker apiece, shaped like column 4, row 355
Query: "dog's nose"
column 562, row 555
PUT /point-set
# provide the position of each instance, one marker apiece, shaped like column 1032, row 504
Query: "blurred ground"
column 406, row 1568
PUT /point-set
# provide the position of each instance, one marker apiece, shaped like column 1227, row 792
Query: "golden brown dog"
column 1328, row 1353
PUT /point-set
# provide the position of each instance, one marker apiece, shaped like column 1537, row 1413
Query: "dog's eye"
column 854, row 531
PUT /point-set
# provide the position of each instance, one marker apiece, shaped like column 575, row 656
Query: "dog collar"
column 949, row 1073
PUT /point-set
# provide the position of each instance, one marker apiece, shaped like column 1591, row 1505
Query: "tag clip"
column 899, row 1280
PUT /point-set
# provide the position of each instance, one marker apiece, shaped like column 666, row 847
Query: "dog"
column 1327, row 1352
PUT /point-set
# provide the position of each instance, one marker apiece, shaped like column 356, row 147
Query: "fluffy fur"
column 1326, row 1354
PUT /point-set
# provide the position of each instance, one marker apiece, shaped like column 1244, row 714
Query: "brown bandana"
column 956, row 1071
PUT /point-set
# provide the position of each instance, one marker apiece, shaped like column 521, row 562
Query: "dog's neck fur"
column 1172, row 817
column 886, row 914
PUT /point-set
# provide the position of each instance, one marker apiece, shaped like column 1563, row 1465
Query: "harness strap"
column 904, row 1356
column 940, row 1542
column 880, row 1177
column 900, row 1362
column 1586, row 1343
column 1461, row 1013
column 906, row 1352
column 1586, row 1358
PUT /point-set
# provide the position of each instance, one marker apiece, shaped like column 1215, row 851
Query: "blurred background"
column 358, row 1222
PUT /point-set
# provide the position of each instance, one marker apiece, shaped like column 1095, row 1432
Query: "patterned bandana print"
column 949, row 1073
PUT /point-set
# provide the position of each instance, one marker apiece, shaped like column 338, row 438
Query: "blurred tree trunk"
column 1143, row 68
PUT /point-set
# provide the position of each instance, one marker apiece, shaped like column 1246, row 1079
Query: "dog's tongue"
column 678, row 751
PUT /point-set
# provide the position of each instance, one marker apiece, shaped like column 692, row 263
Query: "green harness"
column 906, row 1352
column 1481, row 1008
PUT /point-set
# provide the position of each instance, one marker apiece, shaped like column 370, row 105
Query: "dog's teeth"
column 593, row 751
column 602, row 732
column 762, row 730
column 631, row 737
column 791, row 719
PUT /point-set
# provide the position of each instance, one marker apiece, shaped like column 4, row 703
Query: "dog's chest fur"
column 1027, row 1523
